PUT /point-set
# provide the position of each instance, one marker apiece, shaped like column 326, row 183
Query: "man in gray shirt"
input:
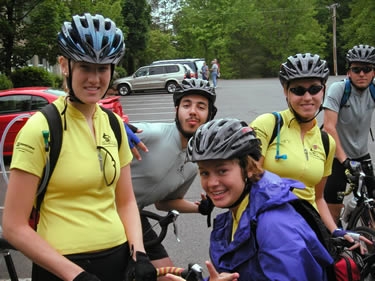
column 163, row 176
column 349, row 124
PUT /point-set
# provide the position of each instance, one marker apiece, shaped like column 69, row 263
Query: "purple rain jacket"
column 288, row 248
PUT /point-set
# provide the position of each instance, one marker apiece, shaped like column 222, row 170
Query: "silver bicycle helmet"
column 361, row 53
column 223, row 139
column 92, row 39
column 302, row 66
column 197, row 87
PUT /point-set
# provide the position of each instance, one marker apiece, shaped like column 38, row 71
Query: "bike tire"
column 369, row 233
column 362, row 216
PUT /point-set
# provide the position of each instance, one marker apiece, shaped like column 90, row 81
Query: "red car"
column 26, row 101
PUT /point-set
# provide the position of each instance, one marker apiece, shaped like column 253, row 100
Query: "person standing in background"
column 214, row 72
column 205, row 72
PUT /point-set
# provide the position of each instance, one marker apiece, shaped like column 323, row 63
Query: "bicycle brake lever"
column 175, row 230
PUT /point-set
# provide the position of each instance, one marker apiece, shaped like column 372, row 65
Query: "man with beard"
column 162, row 177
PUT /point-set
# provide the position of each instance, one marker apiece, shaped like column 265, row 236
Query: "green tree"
column 12, row 26
column 159, row 46
column 359, row 27
column 137, row 21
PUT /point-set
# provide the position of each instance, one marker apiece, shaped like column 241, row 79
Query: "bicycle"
column 363, row 213
column 192, row 273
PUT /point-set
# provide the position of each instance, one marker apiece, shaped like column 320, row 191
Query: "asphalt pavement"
column 243, row 99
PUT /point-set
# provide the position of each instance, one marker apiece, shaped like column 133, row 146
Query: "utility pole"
column 333, row 9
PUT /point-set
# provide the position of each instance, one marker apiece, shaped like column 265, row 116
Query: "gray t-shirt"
column 354, row 118
column 162, row 174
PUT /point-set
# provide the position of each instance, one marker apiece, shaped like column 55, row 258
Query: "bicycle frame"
column 364, row 213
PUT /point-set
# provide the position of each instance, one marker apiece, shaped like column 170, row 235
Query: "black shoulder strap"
column 347, row 92
column 325, row 141
column 54, row 146
column 279, row 122
column 114, row 125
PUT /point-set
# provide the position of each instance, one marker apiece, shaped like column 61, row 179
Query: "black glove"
column 144, row 270
column 205, row 208
column 85, row 276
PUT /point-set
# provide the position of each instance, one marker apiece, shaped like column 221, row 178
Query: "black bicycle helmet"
column 223, row 139
column 92, row 39
column 361, row 53
column 302, row 66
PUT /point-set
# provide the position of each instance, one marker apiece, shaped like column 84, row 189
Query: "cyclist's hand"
column 174, row 277
column 205, row 207
column 224, row 276
column 85, row 276
column 144, row 270
column 352, row 237
column 134, row 142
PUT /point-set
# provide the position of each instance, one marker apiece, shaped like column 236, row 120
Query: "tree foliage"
column 250, row 38
column 137, row 19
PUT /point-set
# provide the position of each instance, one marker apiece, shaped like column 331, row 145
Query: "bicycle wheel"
column 368, row 270
column 362, row 216
column 369, row 234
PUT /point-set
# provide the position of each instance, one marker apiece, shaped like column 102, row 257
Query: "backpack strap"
column 279, row 122
column 325, row 141
column 347, row 92
column 113, row 121
column 52, row 115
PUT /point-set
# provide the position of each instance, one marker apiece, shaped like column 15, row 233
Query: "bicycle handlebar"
column 164, row 222
column 356, row 185
column 192, row 273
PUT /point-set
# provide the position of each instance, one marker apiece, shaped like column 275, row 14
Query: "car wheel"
column 171, row 87
column 123, row 89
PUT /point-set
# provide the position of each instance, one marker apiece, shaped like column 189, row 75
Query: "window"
column 14, row 104
column 156, row 70
column 142, row 72
column 37, row 103
column 172, row 68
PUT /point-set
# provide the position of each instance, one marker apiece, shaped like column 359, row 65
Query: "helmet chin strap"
column 245, row 192
column 72, row 95
column 300, row 119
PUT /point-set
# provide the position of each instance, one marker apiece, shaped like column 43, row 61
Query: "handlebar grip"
column 5, row 245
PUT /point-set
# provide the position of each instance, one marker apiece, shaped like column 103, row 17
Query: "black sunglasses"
column 300, row 91
column 107, row 165
column 358, row 69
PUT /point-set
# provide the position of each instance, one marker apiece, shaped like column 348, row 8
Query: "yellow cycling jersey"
column 305, row 161
column 78, row 213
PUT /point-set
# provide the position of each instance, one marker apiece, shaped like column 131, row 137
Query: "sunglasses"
column 107, row 165
column 358, row 69
column 300, row 91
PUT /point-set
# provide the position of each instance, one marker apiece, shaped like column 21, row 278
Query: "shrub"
column 119, row 72
column 32, row 76
column 5, row 82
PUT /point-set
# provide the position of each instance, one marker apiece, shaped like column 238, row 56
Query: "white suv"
column 152, row 77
